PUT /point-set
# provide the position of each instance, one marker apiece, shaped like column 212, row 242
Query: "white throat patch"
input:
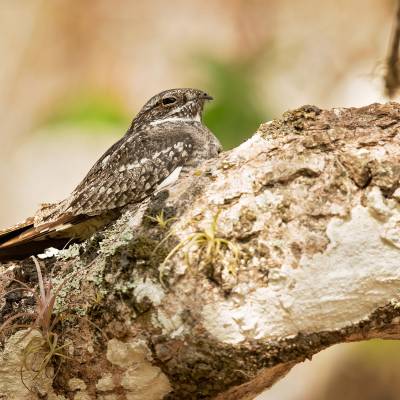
column 177, row 119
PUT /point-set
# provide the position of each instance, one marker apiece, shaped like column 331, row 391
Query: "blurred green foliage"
column 378, row 350
column 235, row 113
column 89, row 109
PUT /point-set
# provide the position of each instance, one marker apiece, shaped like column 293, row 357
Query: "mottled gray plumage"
column 166, row 134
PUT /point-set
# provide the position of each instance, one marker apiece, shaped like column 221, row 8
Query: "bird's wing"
column 127, row 173
column 131, row 169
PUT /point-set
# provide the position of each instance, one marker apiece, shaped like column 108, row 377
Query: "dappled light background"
column 73, row 75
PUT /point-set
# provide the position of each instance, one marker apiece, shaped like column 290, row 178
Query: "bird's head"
column 172, row 105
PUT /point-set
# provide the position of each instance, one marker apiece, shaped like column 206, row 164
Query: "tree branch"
column 392, row 75
column 279, row 248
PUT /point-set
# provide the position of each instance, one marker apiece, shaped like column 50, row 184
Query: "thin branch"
column 392, row 76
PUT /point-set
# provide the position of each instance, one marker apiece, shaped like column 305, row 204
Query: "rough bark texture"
column 295, row 246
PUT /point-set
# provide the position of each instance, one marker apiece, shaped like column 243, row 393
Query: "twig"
column 392, row 76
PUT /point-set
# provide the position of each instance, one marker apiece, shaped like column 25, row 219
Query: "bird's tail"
column 29, row 238
column 25, row 239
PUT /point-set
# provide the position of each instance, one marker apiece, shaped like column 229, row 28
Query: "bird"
column 166, row 137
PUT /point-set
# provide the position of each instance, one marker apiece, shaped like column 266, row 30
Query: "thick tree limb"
column 286, row 245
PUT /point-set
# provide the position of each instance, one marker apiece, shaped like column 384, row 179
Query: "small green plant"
column 160, row 220
column 39, row 351
column 210, row 245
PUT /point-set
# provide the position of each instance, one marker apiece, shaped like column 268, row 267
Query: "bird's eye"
column 167, row 101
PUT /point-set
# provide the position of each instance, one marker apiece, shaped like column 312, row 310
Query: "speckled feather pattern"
column 166, row 134
column 159, row 140
column 131, row 171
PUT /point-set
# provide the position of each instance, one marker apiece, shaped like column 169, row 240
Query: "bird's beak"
column 206, row 96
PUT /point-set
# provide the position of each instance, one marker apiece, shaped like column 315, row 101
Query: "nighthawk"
column 165, row 136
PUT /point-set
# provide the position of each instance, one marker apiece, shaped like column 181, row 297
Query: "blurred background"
column 74, row 73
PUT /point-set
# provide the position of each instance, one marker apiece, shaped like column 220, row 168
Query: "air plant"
column 47, row 346
column 210, row 245
column 160, row 219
